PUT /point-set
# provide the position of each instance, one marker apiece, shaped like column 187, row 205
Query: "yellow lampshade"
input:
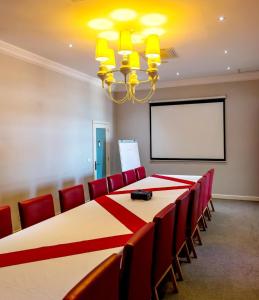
column 156, row 60
column 125, row 43
column 101, row 51
column 110, row 63
column 152, row 46
column 134, row 60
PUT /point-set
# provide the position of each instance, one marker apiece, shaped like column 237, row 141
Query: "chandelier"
column 129, row 68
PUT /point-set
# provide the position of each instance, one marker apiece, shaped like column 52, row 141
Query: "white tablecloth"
column 52, row 278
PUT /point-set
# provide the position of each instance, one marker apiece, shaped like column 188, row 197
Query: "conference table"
column 46, row 260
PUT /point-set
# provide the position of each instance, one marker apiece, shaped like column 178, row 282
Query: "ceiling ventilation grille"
column 77, row 1
column 165, row 53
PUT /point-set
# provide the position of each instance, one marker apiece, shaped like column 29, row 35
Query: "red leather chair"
column 202, row 202
column 179, row 244
column 193, row 232
column 6, row 227
column 115, row 182
column 102, row 283
column 163, row 242
column 35, row 210
column 140, row 172
column 211, row 171
column 71, row 197
column 98, row 188
column 137, row 264
column 129, row 177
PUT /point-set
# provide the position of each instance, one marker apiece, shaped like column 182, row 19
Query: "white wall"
column 45, row 131
column 240, row 174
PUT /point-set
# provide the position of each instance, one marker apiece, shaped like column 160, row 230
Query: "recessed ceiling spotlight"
column 228, row 68
column 177, row 74
column 226, row 51
column 70, row 45
column 221, row 18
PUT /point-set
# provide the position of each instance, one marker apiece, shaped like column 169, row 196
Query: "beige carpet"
column 228, row 262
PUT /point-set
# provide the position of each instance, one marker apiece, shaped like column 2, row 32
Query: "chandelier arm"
column 117, row 101
column 147, row 97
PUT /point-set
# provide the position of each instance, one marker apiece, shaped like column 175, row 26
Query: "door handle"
column 95, row 165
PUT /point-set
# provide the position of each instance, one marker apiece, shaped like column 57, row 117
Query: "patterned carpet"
column 228, row 262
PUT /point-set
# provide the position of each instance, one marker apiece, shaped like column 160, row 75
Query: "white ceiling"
column 199, row 39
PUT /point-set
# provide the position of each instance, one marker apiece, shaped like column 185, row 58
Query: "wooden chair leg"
column 174, row 280
column 187, row 254
column 197, row 235
column 191, row 247
column 178, row 269
column 207, row 213
column 204, row 222
column 212, row 205
column 201, row 224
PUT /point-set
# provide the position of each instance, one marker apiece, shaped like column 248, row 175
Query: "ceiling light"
column 228, row 68
column 100, row 24
column 221, row 19
column 123, row 14
column 109, row 35
column 156, row 30
column 153, row 19
column 177, row 74
column 226, row 51
column 102, row 50
column 125, row 43
column 70, row 45
column 152, row 46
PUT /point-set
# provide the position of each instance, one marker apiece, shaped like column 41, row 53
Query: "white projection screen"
column 188, row 130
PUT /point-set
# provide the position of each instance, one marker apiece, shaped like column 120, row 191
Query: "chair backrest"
column 98, row 188
column 6, row 227
column 35, row 210
column 71, row 197
column 203, row 194
column 211, row 171
column 140, row 172
column 115, row 182
column 163, row 242
column 193, row 214
column 182, row 206
column 101, row 283
column 129, row 177
column 137, row 264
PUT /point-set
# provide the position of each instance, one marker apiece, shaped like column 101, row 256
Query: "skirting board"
column 235, row 197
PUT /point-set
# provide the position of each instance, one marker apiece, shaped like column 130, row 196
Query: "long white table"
column 53, row 278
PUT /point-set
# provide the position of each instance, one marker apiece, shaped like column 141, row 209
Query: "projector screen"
column 188, row 130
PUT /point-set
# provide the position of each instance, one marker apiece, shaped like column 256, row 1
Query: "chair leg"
column 178, row 269
column 212, row 205
column 186, row 250
column 197, row 235
column 202, row 223
column 174, row 280
column 191, row 247
column 207, row 213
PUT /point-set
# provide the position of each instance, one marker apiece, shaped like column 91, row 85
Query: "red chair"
column 129, row 177
column 115, row 182
column 193, row 232
column 202, row 202
column 98, row 188
column 71, row 197
column 102, row 283
column 6, row 227
column 140, row 173
column 137, row 264
column 179, row 244
column 163, row 242
column 35, row 210
column 205, row 200
column 211, row 171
